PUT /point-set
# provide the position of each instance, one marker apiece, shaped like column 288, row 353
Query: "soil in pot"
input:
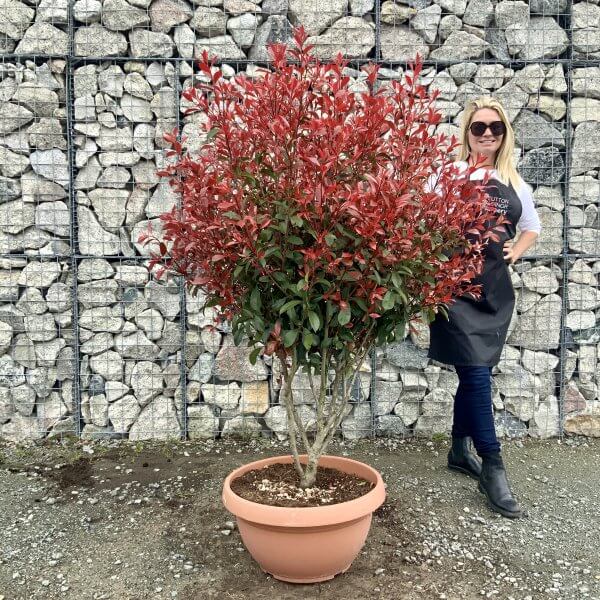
column 279, row 485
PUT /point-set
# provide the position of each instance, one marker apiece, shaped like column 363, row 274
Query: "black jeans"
column 473, row 411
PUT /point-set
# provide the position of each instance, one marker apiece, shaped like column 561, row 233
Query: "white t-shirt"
column 530, row 220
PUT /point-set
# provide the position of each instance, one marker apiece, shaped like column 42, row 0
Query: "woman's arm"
column 529, row 226
column 514, row 251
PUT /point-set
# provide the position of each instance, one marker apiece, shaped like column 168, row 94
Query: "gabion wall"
column 92, row 345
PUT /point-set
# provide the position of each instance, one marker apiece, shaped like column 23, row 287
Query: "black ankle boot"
column 493, row 483
column 461, row 458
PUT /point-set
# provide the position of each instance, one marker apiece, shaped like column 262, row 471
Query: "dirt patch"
column 147, row 522
column 279, row 485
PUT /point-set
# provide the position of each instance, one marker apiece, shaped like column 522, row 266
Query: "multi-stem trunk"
column 329, row 413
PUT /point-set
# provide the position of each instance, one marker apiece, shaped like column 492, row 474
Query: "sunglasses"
column 479, row 127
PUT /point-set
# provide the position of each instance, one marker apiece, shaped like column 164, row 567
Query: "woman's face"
column 486, row 143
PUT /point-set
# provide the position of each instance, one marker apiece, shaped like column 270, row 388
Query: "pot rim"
column 306, row 516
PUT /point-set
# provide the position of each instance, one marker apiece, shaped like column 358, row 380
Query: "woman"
column 472, row 337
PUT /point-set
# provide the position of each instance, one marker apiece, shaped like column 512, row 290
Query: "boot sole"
column 505, row 513
column 463, row 470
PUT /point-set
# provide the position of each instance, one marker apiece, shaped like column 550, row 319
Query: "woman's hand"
column 514, row 251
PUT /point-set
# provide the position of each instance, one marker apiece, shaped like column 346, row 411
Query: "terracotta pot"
column 310, row 544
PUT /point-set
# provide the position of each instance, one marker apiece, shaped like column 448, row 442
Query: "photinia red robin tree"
column 320, row 221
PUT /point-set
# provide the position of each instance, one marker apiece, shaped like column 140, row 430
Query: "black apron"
column 475, row 330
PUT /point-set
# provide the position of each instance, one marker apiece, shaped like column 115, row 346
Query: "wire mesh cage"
column 93, row 344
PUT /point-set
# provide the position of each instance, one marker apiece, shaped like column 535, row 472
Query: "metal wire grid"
column 176, row 415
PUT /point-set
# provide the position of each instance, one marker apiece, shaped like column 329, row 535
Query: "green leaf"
column 296, row 220
column 289, row 337
column 288, row 305
column 212, row 133
column 255, row 302
column 231, row 215
column 388, row 300
column 315, row 322
column 330, row 238
column 254, row 355
column 295, row 240
column 307, row 339
column 344, row 316
column 396, row 280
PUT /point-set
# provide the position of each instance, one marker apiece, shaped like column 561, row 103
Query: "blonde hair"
column 504, row 161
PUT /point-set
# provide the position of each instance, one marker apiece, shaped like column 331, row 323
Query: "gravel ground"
column 133, row 521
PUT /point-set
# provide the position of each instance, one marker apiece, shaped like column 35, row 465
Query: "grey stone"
column 52, row 11
column 15, row 18
column 158, row 420
column 41, row 101
column 93, row 239
column 232, row 364
column 202, row 422
column 111, row 81
column 45, row 134
column 539, row 362
column 163, row 298
column 15, row 216
column 498, row 46
column 23, row 398
column 400, row 43
column 461, row 45
column 358, row 424
column 542, row 166
column 96, row 40
column 586, row 147
column 98, row 344
column 22, row 428
column 580, row 272
column 53, row 217
column 489, row 76
column 119, row 15
column 12, row 164
column 578, row 320
column 32, row 302
column 395, row 14
column 547, row 7
column 226, row 397
column 40, row 328
column 87, row 11
column 387, row 395
column 87, row 177
column 238, row 7
column 456, row 7
column 39, row 274
column 545, row 422
column 479, row 13
column 42, row 380
column 123, row 412
column 109, row 206
column 390, row 425
column 202, row 369
column 136, row 346
column 426, row 22
column 115, row 390
column 243, row 29
column 208, row 22
column 221, row 47
column 185, row 39
column 406, row 355
column 23, row 352
column 316, row 15
column 165, row 14
column 533, row 131
column 541, row 279
column 146, row 44
column 586, row 82
column 462, row 72
column 102, row 318
column 137, row 86
column 539, row 327
column 448, row 25
column 108, row 364
column 510, row 12
column 51, row 164
column 13, row 116
column 114, row 177
column 350, row 35
column 102, row 292
column 147, row 381
column 43, row 38
column 585, row 109
column 542, row 37
column 243, row 426
column 11, row 373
